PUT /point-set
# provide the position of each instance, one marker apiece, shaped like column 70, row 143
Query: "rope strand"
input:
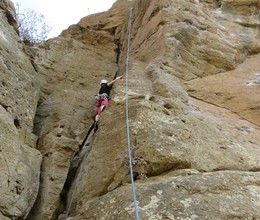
column 127, row 129
column 127, row 117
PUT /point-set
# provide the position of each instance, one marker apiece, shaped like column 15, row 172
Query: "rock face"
column 238, row 91
column 19, row 160
column 181, row 195
column 194, row 110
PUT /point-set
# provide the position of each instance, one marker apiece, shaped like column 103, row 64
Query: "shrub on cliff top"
column 32, row 27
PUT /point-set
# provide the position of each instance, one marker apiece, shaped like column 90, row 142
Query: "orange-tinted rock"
column 237, row 90
column 191, row 149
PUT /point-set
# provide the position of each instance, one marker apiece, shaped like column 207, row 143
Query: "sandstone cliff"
column 19, row 160
column 194, row 111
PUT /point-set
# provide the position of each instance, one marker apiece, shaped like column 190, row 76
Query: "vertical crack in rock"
column 76, row 163
column 36, row 203
column 175, row 135
column 73, row 174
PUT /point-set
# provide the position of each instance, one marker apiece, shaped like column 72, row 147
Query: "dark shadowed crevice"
column 17, row 122
column 77, row 161
column 10, row 17
column 39, row 118
column 72, row 175
column 36, row 202
column 218, row 3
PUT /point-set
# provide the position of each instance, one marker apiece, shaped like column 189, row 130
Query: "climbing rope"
column 82, row 166
column 93, row 127
column 126, row 107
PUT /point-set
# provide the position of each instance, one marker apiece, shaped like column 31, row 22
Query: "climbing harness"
column 101, row 97
column 127, row 117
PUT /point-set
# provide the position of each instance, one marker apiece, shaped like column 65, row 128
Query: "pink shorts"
column 103, row 102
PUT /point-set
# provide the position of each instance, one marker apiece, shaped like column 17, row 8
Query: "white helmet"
column 103, row 81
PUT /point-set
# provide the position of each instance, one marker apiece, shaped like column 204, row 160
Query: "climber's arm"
column 114, row 80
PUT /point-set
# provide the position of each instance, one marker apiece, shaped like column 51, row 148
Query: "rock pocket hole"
column 4, row 84
column 167, row 106
column 62, row 126
column 18, row 188
column 17, row 122
column 166, row 112
column 219, row 3
column 152, row 98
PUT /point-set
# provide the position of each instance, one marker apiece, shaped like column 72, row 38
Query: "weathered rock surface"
column 184, row 194
column 7, row 8
column 170, row 131
column 19, row 160
column 71, row 67
column 193, row 113
column 237, row 90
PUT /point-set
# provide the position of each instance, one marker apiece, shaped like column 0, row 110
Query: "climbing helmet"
column 103, row 81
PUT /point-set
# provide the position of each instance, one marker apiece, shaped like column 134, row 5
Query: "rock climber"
column 102, row 96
